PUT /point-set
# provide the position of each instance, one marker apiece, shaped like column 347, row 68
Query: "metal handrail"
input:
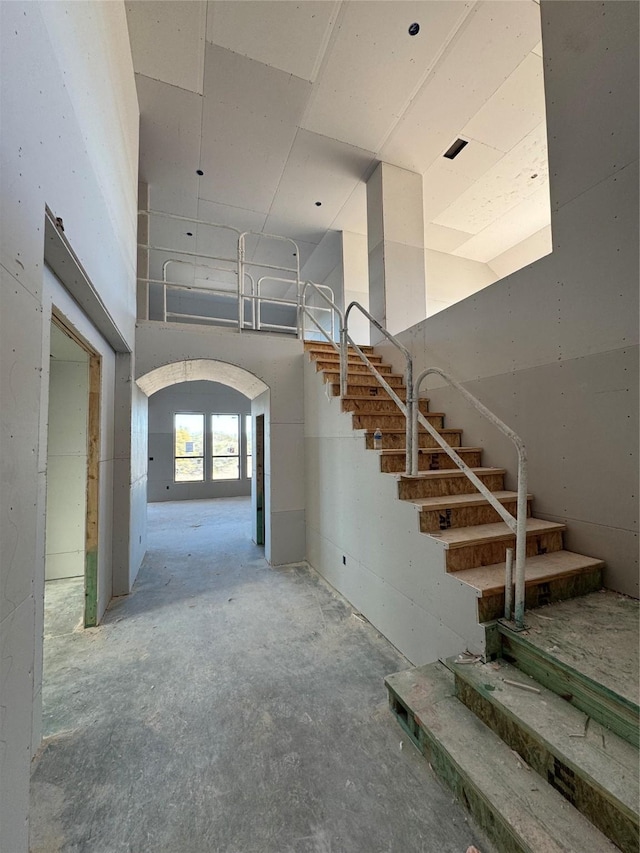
column 174, row 285
column 407, row 409
column 242, row 262
column 517, row 524
column 305, row 310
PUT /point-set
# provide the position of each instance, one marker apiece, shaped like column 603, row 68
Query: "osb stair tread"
column 448, row 472
column 373, row 398
column 459, row 537
column 596, row 635
column 586, row 747
column 395, row 414
column 489, row 580
column 526, row 813
column 430, row 451
column 450, row 501
column 310, row 346
column 443, row 431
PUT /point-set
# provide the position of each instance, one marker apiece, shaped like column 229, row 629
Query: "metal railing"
column 406, row 408
column 244, row 290
column 518, row 523
column 413, row 418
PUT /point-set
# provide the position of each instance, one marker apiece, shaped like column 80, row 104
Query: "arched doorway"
column 193, row 471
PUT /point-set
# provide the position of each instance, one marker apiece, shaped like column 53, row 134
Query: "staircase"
column 542, row 753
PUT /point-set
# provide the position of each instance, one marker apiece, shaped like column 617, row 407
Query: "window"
column 225, row 447
column 248, row 446
column 188, row 447
column 221, row 452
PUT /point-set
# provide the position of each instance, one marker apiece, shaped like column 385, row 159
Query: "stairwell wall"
column 367, row 543
column 553, row 348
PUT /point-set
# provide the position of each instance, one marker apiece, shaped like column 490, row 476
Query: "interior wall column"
column 356, row 282
column 395, row 220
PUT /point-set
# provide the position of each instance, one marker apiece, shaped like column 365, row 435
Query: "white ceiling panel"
column 297, row 229
column 442, row 239
column 517, row 176
column 237, row 217
column 493, row 41
column 373, row 67
column 167, row 41
column 319, row 169
column 324, row 258
column 251, row 113
column 447, row 179
column 353, row 216
column 280, row 253
column 170, row 123
column 289, row 36
column 514, row 110
column 511, row 228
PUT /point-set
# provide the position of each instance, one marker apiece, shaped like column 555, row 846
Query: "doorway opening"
column 71, row 525
column 208, row 439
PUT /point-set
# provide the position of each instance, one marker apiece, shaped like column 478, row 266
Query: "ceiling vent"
column 455, row 149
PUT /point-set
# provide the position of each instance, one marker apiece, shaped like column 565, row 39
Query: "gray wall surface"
column 553, row 348
column 203, row 396
column 70, row 124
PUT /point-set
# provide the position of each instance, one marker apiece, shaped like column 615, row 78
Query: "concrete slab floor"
column 229, row 707
column 63, row 606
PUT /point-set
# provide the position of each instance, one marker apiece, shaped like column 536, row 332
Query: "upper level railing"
column 229, row 277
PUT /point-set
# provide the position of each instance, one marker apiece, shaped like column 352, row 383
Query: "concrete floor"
column 63, row 606
column 227, row 707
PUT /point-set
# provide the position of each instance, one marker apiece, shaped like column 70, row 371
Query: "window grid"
column 213, row 447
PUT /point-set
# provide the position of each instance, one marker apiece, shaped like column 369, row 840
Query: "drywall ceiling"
column 285, row 104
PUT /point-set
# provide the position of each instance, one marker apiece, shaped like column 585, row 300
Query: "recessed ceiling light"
column 199, row 172
column 318, row 204
column 455, row 149
column 414, row 29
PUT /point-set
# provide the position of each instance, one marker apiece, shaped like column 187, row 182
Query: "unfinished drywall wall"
column 69, row 125
column 130, row 477
column 66, row 459
column 277, row 362
column 450, row 279
column 553, row 348
column 205, row 397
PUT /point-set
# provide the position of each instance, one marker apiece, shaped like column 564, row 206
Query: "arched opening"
column 207, row 421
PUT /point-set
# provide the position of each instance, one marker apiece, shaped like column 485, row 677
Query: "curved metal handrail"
column 517, row 524
column 408, row 408
column 332, row 307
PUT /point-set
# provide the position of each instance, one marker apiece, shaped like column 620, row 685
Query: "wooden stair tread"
column 584, row 746
column 372, row 398
column 520, row 812
column 443, row 431
column 310, row 346
column 460, row 537
column 429, row 451
column 489, row 580
column 449, row 501
column 448, row 472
